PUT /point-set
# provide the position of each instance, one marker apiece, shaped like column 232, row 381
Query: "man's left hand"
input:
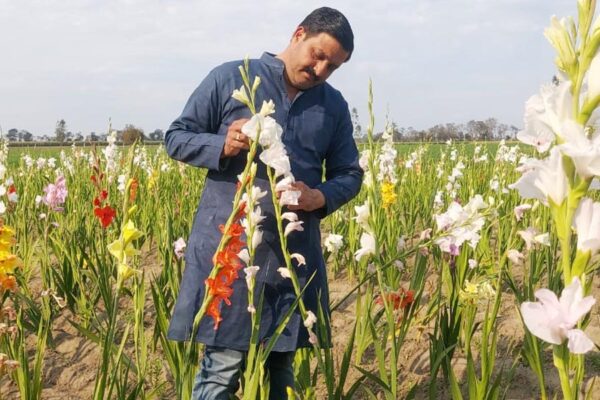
column 309, row 200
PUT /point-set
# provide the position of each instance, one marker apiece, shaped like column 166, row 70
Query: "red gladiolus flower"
column 235, row 245
column 399, row 300
column 228, row 274
column 214, row 311
column 105, row 214
column 227, row 257
column 228, row 264
column 12, row 189
column 219, row 290
column 241, row 211
column 103, row 195
column 234, row 230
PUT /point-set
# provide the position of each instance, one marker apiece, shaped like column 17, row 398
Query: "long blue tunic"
column 317, row 133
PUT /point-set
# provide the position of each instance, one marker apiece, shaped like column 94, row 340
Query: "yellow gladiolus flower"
column 125, row 271
column 8, row 262
column 388, row 194
column 130, row 232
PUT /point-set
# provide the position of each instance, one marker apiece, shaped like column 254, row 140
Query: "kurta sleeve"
column 192, row 138
column 343, row 174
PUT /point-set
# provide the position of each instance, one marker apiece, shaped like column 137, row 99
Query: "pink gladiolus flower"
column 554, row 320
column 55, row 194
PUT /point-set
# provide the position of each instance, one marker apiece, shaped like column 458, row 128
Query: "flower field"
column 461, row 270
column 408, row 300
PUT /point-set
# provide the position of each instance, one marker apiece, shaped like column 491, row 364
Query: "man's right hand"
column 235, row 141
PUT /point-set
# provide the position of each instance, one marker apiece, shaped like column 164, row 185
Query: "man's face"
column 313, row 59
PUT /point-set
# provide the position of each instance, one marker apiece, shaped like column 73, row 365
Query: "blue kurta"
column 317, row 132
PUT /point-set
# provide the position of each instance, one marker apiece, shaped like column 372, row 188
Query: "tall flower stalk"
column 561, row 120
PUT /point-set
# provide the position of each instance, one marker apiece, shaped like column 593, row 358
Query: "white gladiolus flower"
column 399, row 265
column 290, row 216
column 293, row 226
column 333, row 242
column 276, row 157
column 284, row 272
column 367, row 246
column 520, row 210
column 310, row 320
column 284, row 184
column 271, row 132
column 555, row 320
column 289, row 197
column 251, row 274
column 460, row 224
column 543, row 239
column 473, row 263
column 122, row 180
column 364, row 159
column 593, row 77
column 179, row 248
column 362, row 215
column 515, row 256
column 299, row 258
column 312, row 338
column 241, row 95
column 13, row 197
column 244, row 256
column 254, row 217
column 532, row 236
column 545, row 114
column 254, row 195
column 257, row 237
column 426, row 234
column 587, row 225
column 558, row 34
column 267, row 108
column 544, row 179
column 401, row 243
column 584, row 152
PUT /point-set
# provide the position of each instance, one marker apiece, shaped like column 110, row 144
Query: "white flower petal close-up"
column 554, row 320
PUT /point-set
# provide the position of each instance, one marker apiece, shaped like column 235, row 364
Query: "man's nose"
column 320, row 70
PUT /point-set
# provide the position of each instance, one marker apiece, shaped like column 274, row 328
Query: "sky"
column 137, row 61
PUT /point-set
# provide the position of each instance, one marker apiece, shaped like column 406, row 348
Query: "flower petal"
column 579, row 343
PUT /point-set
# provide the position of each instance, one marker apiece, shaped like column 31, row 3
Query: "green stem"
column 561, row 362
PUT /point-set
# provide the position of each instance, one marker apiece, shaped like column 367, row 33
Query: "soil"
column 70, row 363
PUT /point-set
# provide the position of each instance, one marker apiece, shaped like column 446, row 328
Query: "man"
column 317, row 130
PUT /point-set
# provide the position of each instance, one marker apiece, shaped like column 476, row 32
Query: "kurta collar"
column 272, row 61
column 277, row 64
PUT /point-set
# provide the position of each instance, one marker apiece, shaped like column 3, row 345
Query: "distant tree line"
column 489, row 129
column 62, row 134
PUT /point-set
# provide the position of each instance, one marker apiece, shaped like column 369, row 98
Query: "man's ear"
column 299, row 34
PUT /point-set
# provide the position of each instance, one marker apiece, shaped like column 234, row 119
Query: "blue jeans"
column 220, row 370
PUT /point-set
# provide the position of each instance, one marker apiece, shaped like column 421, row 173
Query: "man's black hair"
column 330, row 21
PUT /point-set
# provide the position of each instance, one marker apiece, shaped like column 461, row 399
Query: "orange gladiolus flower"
column 8, row 282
